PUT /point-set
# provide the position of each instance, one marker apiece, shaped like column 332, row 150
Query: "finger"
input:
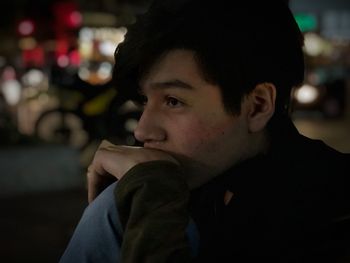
column 98, row 177
column 97, row 183
column 105, row 144
column 97, row 180
column 92, row 181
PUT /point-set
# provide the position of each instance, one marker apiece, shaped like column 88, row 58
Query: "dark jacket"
column 291, row 204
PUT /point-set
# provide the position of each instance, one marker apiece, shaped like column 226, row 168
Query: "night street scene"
column 58, row 102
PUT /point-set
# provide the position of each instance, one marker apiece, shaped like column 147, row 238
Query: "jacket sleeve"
column 152, row 201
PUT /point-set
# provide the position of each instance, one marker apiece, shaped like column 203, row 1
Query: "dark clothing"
column 291, row 204
column 153, row 212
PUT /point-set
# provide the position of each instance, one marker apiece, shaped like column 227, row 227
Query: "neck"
column 258, row 143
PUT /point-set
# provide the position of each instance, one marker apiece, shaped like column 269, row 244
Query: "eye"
column 173, row 102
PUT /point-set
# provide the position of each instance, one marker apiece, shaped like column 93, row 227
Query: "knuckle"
column 88, row 174
column 105, row 143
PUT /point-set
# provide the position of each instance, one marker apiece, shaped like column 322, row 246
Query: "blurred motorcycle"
column 88, row 113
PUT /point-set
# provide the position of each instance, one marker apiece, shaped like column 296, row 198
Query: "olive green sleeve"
column 152, row 202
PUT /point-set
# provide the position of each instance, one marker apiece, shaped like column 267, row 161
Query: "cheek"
column 195, row 138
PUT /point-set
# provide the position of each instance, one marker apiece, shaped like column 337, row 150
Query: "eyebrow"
column 175, row 83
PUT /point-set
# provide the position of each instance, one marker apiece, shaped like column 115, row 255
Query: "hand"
column 111, row 162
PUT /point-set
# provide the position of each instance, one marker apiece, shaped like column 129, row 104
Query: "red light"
column 34, row 57
column 63, row 61
column 26, row 27
column 75, row 19
column 74, row 58
column 67, row 15
column 61, row 47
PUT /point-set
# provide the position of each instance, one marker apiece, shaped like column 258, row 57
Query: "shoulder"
column 324, row 176
column 319, row 155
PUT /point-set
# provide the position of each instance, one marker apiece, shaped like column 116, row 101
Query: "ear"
column 261, row 106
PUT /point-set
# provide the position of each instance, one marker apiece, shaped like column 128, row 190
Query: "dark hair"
column 236, row 46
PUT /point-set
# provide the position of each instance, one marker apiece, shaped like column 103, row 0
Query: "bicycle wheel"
column 63, row 127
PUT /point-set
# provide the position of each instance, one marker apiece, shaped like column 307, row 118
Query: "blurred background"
column 57, row 103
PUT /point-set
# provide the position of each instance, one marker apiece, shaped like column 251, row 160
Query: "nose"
column 150, row 128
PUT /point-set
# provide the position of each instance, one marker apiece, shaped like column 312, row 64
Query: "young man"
column 223, row 173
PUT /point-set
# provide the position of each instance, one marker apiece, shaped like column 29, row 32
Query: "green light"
column 306, row 22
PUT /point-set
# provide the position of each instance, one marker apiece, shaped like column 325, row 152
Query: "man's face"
column 184, row 116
